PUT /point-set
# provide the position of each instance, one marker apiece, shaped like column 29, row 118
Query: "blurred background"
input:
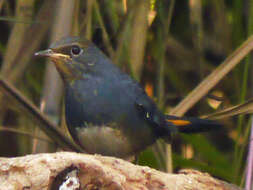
column 169, row 46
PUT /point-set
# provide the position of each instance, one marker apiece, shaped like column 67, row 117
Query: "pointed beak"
column 44, row 53
column 62, row 62
column 51, row 54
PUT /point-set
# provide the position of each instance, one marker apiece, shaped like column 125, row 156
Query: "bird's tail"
column 191, row 124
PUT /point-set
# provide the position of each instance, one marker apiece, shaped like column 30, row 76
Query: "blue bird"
column 107, row 112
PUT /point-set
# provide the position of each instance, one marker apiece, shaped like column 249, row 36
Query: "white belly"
column 104, row 140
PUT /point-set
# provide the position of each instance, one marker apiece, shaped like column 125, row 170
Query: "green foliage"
column 183, row 41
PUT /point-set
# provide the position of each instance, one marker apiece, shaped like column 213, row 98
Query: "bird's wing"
column 150, row 113
column 143, row 104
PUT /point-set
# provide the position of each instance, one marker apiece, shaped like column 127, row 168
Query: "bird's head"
column 73, row 57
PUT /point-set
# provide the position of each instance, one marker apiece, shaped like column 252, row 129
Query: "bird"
column 107, row 112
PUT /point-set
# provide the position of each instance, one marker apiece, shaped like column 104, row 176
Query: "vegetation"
column 169, row 46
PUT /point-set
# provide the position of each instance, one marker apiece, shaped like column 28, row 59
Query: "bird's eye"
column 76, row 50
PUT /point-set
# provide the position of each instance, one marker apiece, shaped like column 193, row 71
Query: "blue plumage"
column 107, row 112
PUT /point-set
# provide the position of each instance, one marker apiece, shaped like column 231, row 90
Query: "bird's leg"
column 134, row 159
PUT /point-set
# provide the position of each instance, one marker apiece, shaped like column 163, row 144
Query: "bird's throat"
column 67, row 72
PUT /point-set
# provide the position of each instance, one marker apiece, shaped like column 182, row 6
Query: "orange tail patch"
column 179, row 122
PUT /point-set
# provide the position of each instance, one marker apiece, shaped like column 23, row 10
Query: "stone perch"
column 74, row 171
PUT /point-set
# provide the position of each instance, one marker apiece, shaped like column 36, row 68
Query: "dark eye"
column 75, row 50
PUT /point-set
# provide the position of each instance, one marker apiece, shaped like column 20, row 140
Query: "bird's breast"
column 103, row 120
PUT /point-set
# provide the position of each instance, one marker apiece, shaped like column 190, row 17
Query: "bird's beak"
column 51, row 54
column 61, row 61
